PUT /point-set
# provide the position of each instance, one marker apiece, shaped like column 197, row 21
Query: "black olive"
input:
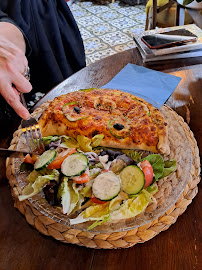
column 77, row 109
column 118, row 126
column 102, row 153
column 50, row 192
column 110, row 152
column 117, row 153
column 113, row 154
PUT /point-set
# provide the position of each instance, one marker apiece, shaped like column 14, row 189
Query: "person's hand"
column 13, row 65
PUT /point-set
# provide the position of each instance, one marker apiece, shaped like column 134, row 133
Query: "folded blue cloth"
column 153, row 86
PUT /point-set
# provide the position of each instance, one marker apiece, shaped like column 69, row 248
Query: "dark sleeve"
column 5, row 18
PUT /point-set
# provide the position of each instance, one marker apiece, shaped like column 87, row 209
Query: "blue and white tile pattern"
column 107, row 29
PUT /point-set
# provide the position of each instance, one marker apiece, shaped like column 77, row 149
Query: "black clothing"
column 54, row 45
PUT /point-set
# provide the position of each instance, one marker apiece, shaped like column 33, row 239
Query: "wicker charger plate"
column 175, row 194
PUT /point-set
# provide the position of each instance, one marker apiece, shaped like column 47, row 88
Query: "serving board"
column 175, row 193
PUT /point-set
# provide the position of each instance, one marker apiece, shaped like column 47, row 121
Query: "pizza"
column 126, row 121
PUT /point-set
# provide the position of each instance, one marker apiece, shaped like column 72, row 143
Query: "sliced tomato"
column 57, row 162
column 95, row 200
column 147, row 169
column 83, row 178
column 29, row 159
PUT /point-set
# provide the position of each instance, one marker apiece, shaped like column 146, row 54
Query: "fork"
column 32, row 132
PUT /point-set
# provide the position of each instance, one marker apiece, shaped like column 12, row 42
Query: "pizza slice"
column 126, row 121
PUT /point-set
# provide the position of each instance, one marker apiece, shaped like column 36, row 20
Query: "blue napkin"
column 153, row 86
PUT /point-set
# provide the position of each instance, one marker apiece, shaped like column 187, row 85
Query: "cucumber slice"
column 106, row 186
column 132, row 179
column 45, row 159
column 74, row 165
column 72, row 112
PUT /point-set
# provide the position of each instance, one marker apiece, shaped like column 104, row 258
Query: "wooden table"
column 179, row 248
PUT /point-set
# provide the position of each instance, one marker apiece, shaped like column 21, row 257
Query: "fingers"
column 13, row 74
column 21, row 83
column 12, row 97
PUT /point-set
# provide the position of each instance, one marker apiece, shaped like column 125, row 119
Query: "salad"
column 92, row 183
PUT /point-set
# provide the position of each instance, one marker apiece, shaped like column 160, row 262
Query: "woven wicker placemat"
column 123, row 239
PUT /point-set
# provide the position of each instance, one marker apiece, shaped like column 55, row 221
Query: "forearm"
column 12, row 34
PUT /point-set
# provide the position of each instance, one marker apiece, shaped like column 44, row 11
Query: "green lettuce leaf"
column 33, row 176
column 94, row 172
column 99, row 222
column 132, row 207
column 37, row 181
column 92, row 213
column 87, row 190
column 47, row 140
column 96, row 140
column 55, row 173
column 64, row 195
column 96, row 211
column 160, row 167
column 84, row 143
column 157, row 164
column 96, row 165
column 69, row 195
column 115, row 208
column 68, row 142
column 133, row 154
column 169, row 167
column 33, row 188
column 87, row 144
column 116, row 203
column 152, row 189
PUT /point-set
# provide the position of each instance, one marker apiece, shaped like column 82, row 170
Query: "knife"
column 7, row 152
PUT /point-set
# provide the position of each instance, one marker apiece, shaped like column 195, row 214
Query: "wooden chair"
column 195, row 13
column 171, row 14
